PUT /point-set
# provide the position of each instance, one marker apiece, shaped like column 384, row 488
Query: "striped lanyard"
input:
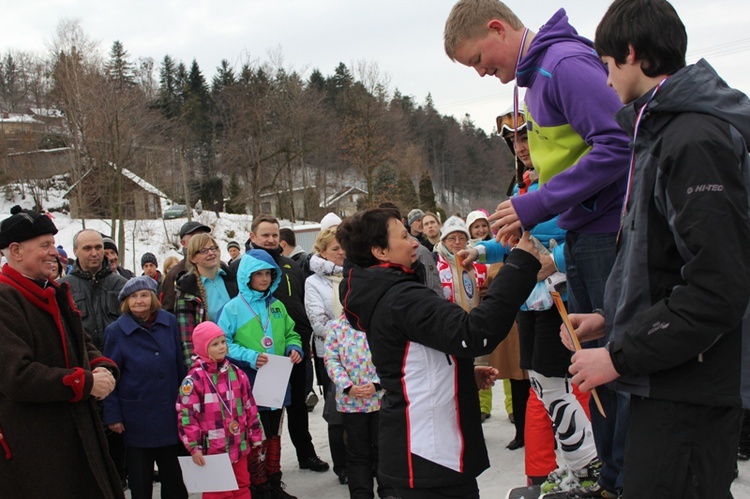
column 268, row 315
column 515, row 93
column 267, row 341
column 631, row 170
column 228, row 404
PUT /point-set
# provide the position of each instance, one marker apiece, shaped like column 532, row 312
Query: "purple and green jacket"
column 579, row 150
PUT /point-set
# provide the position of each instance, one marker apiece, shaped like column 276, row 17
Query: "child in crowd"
column 349, row 364
column 216, row 410
column 257, row 324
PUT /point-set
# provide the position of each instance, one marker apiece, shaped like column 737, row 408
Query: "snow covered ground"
column 506, row 471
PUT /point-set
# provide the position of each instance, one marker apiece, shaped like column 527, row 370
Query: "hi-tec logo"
column 705, row 188
column 658, row 326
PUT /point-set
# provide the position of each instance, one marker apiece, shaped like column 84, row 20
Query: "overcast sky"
column 404, row 37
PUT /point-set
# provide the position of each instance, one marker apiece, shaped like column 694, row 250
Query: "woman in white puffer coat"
column 322, row 305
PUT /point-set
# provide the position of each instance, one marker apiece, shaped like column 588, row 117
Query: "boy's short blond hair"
column 468, row 18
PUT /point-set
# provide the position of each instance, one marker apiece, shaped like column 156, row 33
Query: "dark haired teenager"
column 680, row 286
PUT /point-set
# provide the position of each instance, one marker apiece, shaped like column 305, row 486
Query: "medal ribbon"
column 264, row 326
column 631, row 170
column 515, row 94
column 228, row 404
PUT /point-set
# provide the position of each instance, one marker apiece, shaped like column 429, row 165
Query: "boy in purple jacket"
column 577, row 147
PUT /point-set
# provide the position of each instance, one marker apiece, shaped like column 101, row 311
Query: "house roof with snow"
column 341, row 194
column 285, row 191
column 18, row 118
column 132, row 176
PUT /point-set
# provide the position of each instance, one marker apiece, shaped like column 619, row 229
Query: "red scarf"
column 43, row 299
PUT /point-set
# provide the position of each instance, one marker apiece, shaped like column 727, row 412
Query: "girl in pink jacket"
column 216, row 409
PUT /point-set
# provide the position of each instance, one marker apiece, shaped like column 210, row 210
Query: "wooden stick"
column 574, row 339
column 458, row 282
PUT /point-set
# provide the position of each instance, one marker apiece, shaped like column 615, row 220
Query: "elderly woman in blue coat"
column 145, row 341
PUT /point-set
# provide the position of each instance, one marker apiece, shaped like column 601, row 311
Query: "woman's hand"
column 467, row 257
column 506, row 223
column 485, row 376
column 104, row 383
column 548, row 267
column 527, row 245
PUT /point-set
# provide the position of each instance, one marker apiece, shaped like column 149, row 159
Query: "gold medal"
column 234, row 427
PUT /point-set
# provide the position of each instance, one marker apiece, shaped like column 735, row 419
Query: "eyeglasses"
column 456, row 239
column 204, row 251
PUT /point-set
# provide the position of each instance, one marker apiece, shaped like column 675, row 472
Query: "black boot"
column 277, row 487
column 261, row 491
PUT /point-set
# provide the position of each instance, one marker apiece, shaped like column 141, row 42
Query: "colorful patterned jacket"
column 349, row 363
column 202, row 418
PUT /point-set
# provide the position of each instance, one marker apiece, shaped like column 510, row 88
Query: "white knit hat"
column 454, row 224
column 330, row 220
column 474, row 216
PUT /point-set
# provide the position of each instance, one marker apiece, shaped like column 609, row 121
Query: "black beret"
column 23, row 225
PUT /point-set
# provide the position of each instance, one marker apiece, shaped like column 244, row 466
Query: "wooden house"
column 95, row 194
column 346, row 202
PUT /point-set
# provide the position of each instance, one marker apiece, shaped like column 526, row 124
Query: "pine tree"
column 168, row 97
column 316, row 81
column 426, row 193
column 384, row 186
column 197, row 116
column 405, row 192
column 236, row 203
column 8, row 83
column 119, row 69
column 224, row 77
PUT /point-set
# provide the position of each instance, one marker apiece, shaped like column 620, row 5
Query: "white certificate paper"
column 271, row 382
column 216, row 475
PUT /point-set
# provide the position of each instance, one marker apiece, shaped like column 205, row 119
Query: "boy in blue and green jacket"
column 257, row 324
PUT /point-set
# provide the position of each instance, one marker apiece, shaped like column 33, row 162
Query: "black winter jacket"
column 423, row 347
column 680, row 286
column 95, row 295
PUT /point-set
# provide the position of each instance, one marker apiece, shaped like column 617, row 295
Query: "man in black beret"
column 51, row 374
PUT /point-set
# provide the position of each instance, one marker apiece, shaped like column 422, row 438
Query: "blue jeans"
column 588, row 262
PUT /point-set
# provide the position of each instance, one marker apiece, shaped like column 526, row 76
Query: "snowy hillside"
column 160, row 237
